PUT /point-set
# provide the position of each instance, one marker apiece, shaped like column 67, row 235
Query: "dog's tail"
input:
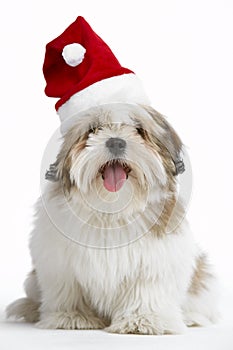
column 27, row 309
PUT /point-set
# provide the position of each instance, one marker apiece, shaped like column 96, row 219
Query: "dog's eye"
column 94, row 129
column 140, row 131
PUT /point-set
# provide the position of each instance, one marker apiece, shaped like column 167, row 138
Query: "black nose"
column 116, row 145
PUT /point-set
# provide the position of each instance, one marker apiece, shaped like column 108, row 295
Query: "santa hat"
column 82, row 71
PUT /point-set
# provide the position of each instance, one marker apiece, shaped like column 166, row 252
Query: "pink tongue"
column 114, row 177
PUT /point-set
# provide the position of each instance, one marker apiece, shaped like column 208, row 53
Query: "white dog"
column 111, row 247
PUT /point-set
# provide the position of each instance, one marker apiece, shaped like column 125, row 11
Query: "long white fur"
column 137, row 283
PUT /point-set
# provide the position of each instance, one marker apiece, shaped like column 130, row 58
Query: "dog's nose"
column 116, row 145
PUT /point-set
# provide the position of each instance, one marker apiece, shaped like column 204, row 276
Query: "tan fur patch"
column 170, row 139
column 171, row 216
column 200, row 276
column 64, row 159
column 168, row 146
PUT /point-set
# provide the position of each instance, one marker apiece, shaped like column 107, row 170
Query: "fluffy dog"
column 111, row 247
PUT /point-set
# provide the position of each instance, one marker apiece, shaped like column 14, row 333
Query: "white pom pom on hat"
column 73, row 54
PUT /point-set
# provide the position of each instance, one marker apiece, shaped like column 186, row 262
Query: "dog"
column 111, row 247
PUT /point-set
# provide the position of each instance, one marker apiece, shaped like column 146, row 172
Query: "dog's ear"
column 168, row 139
column 72, row 145
column 60, row 171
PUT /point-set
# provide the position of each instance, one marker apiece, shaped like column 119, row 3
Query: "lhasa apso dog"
column 111, row 248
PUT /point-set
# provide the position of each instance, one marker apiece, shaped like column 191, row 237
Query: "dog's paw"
column 174, row 325
column 70, row 320
column 193, row 319
column 146, row 324
column 143, row 324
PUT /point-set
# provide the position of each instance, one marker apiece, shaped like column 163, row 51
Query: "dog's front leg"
column 146, row 307
column 63, row 305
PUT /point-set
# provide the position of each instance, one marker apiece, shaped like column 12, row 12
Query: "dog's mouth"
column 114, row 174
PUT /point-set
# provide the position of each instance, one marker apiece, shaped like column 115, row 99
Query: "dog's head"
column 120, row 148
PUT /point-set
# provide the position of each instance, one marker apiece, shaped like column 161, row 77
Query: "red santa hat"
column 81, row 70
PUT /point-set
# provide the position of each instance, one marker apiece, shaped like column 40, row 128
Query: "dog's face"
column 116, row 150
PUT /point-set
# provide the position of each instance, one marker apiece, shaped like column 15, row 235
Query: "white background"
column 183, row 52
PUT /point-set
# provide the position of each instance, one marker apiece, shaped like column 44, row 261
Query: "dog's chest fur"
column 149, row 256
column 105, row 275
